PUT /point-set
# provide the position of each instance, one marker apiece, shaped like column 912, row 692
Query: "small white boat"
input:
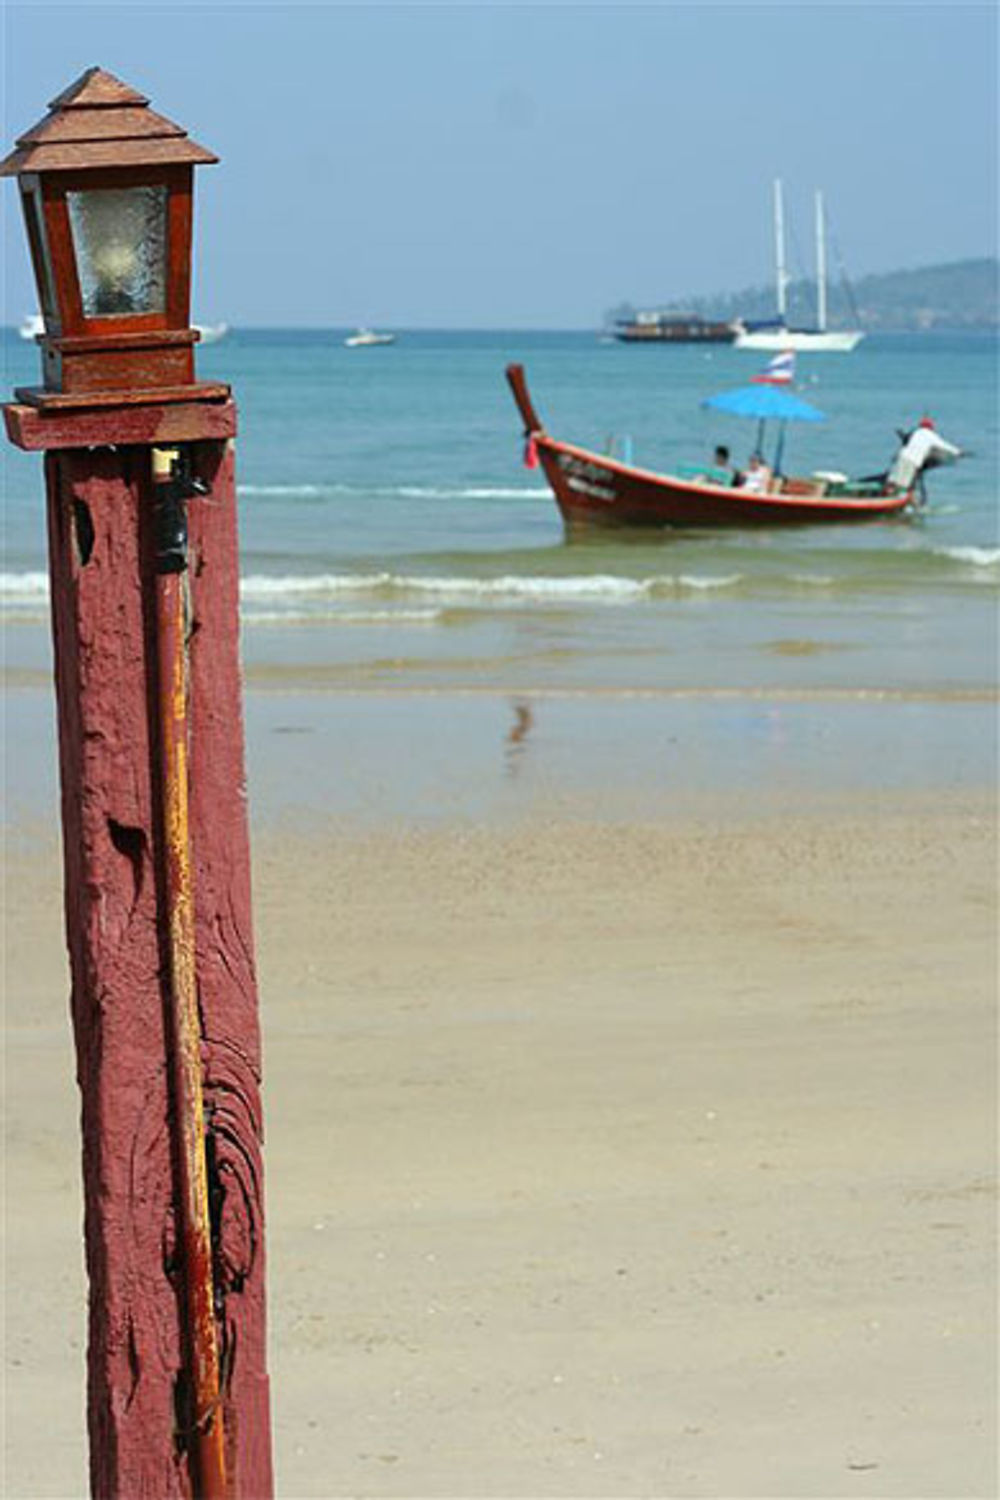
column 776, row 336
column 211, row 333
column 366, row 339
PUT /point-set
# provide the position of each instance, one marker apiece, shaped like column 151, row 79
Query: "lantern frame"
column 56, row 256
column 101, row 135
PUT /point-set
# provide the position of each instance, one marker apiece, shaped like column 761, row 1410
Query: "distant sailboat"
column 777, row 335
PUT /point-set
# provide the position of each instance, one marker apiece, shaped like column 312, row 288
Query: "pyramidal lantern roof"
column 101, row 122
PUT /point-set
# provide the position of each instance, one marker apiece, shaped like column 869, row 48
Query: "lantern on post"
column 143, row 571
column 106, row 188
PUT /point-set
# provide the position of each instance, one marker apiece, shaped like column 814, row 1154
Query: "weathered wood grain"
column 100, row 557
column 170, row 418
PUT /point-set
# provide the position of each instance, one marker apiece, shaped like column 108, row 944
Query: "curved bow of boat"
column 519, row 385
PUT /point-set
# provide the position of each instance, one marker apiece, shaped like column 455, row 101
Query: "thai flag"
column 780, row 371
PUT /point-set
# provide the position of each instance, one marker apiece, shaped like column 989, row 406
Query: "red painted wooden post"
column 142, row 1414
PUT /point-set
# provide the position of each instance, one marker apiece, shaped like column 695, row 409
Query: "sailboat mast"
column 820, row 265
column 779, row 251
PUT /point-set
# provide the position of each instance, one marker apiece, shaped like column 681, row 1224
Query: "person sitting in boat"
column 923, row 448
column 758, row 476
column 725, row 470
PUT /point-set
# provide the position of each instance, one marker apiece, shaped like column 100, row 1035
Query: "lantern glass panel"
column 120, row 241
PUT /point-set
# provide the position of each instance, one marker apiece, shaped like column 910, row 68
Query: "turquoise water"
column 390, row 533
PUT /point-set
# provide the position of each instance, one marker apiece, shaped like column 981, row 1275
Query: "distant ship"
column 366, row 339
column 31, row 326
column 673, row 328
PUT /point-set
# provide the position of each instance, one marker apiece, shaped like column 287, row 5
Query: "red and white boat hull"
column 594, row 490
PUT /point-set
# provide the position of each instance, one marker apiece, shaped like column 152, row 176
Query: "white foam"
column 515, row 586
column 475, row 492
column 33, row 588
column 589, row 588
column 282, row 489
column 267, row 585
column 594, row 587
column 690, row 581
column 403, row 491
column 344, row 617
column 541, row 492
column 21, row 588
column 389, row 616
column 979, row 557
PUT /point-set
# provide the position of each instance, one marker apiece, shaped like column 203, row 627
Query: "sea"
column 393, row 541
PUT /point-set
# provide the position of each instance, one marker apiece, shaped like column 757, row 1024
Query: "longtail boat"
column 595, row 489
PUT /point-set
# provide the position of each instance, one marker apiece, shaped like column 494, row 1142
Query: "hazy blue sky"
column 491, row 164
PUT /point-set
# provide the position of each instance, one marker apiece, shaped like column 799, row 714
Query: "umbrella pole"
column 760, row 436
column 779, row 452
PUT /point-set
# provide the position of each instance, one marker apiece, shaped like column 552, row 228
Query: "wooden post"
column 142, row 1413
column 157, row 865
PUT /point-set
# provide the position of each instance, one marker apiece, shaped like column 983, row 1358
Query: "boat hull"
column 692, row 331
column 369, row 340
column 801, row 340
column 592, row 490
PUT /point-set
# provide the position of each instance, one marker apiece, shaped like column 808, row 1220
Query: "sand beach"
column 626, row 930
column 628, row 1134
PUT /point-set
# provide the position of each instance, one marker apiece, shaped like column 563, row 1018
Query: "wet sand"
column 611, row 1151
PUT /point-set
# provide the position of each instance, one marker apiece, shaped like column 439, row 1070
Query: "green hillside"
column 961, row 294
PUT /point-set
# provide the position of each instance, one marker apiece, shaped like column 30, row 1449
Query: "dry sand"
column 608, row 1160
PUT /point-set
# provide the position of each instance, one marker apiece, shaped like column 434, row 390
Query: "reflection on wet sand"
column 517, row 736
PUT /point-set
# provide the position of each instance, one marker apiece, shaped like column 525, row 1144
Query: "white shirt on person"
column 757, row 479
column 922, row 444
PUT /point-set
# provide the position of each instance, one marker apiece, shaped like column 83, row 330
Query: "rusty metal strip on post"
column 189, row 1114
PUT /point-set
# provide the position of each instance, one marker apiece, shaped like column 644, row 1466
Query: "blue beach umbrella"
column 763, row 401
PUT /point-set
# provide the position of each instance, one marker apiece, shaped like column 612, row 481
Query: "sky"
column 491, row 165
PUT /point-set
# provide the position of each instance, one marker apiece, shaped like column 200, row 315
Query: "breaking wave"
column 403, row 491
column 378, row 596
column 286, row 489
column 977, row 557
column 347, row 616
column 259, row 591
column 585, row 588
